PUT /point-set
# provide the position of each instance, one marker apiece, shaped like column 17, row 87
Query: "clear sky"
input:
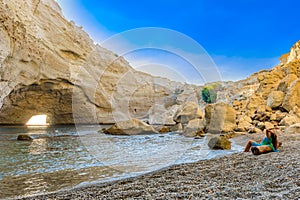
column 241, row 36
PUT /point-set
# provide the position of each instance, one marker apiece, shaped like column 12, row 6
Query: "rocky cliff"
column 267, row 97
column 50, row 66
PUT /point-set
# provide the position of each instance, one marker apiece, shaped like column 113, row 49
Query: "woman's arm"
column 268, row 133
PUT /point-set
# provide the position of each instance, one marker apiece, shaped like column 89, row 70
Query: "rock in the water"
column 292, row 97
column 194, row 128
column 275, row 99
column 293, row 129
column 219, row 143
column 163, row 129
column 176, row 128
column 130, row 127
column 25, row 137
column 188, row 111
column 219, row 118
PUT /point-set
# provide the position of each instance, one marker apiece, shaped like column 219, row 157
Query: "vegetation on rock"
column 209, row 92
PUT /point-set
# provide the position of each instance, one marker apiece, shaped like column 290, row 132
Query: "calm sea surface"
column 62, row 157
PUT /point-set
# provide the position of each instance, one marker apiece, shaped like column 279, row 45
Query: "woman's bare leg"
column 249, row 144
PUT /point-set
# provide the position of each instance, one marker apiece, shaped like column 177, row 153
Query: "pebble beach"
column 237, row 176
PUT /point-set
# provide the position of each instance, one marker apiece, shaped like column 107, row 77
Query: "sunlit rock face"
column 50, row 66
column 274, row 94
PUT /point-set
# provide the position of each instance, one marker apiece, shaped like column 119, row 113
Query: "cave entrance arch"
column 52, row 98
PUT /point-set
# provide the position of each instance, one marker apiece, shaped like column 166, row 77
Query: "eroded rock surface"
column 130, row 127
column 219, row 143
column 50, row 66
column 220, row 118
column 187, row 112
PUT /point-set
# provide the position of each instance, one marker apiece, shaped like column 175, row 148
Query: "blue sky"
column 241, row 36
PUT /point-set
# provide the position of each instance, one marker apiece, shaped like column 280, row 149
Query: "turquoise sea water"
column 61, row 157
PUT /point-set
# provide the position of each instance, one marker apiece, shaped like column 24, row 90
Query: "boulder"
column 187, row 93
column 254, row 129
column 254, row 102
column 286, row 82
column 194, row 128
column 260, row 116
column 219, row 143
column 277, row 116
column 269, row 125
column 289, row 120
column 176, row 128
column 163, row 129
column 245, row 118
column 130, row 127
column 292, row 97
column 244, row 123
column 261, row 125
column 293, row 129
column 255, row 122
column 24, row 137
column 295, row 111
column 243, row 126
column 220, row 117
column 188, row 111
column 158, row 114
column 275, row 99
column 269, row 81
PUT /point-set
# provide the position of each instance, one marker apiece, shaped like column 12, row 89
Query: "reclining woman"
column 271, row 140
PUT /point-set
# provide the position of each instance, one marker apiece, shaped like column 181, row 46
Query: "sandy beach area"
column 238, row 176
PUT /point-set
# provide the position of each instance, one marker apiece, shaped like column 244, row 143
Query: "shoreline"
column 238, row 175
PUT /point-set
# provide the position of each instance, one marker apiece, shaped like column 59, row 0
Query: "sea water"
column 62, row 157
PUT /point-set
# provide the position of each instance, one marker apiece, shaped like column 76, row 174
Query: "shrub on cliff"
column 209, row 92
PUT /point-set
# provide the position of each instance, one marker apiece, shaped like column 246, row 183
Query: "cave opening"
column 38, row 120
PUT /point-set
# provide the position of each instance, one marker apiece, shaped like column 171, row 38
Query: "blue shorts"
column 255, row 144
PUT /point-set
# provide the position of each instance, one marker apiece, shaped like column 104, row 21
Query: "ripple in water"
column 58, row 158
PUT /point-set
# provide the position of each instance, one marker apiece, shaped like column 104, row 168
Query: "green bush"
column 209, row 93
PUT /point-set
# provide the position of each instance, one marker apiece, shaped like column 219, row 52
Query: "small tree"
column 209, row 93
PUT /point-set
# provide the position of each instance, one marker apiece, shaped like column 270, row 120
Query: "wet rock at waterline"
column 194, row 128
column 176, row 128
column 130, row 127
column 163, row 129
column 219, row 143
column 24, row 137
